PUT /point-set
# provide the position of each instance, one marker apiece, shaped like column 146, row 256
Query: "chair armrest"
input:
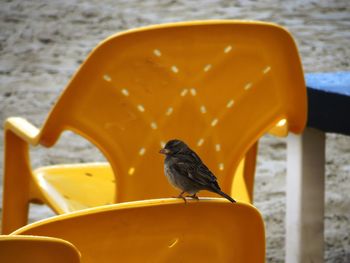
column 17, row 185
column 280, row 129
column 23, row 129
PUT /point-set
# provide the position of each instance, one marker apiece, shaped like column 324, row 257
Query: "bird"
column 186, row 171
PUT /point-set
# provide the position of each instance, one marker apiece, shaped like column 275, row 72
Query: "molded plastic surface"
column 77, row 186
column 38, row 249
column 165, row 230
column 217, row 85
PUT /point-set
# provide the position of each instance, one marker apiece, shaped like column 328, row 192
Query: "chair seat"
column 72, row 187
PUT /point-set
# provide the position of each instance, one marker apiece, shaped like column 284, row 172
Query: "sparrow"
column 186, row 171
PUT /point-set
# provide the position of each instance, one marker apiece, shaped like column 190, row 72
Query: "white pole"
column 305, row 197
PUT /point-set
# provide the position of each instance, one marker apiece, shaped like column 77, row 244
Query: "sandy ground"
column 43, row 42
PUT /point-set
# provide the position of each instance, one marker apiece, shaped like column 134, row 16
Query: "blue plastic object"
column 329, row 101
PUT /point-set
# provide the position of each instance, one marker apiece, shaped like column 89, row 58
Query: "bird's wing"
column 191, row 166
column 204, row 175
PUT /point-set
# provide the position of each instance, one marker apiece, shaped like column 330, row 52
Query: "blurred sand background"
column 42, row 43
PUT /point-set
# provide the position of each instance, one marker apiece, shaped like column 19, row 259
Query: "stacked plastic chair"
column 217, row 85
column 162, row 230
column 38, row 249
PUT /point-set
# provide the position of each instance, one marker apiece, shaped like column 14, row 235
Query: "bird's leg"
column 181, row 196
column 194, row 196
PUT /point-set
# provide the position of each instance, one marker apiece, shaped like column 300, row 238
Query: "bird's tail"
column 226, row 196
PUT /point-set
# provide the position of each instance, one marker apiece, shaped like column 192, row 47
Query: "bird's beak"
column 164, row 151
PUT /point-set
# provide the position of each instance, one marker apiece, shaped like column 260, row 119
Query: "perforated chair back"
column 217, row 85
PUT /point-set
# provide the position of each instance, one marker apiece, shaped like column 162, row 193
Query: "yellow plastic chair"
column 38, row 249
column 162, row 230
column 218, row 85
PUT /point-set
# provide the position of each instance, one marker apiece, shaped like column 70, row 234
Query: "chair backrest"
column 217, row 85
column 22, row 249
column 163, row 230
